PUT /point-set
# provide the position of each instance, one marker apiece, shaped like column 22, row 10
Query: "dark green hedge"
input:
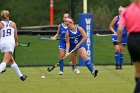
column 36, row 12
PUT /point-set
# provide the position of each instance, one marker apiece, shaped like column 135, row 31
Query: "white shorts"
column 7, row 47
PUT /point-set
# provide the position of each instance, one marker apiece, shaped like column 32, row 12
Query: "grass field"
column 108, row 80
column 44, row 52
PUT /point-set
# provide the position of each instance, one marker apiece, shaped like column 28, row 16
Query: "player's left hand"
column 67, row 54
column 16, row 44
column 115, row 34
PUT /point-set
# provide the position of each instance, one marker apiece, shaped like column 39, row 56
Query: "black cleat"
column 23, row 77
column 28, row 44
column 3, row 71
column 121, row 67
column 95, row 73
column 118, row 67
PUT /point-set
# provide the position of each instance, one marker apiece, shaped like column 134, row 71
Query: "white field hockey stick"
column 24, row 45
column 51, row 68
column 48, row 38
column 103, row 34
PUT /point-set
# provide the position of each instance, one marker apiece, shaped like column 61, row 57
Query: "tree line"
column 36, row 12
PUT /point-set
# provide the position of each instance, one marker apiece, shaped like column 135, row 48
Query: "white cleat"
column 77, row 71
column 60, row 73
column 70, row 63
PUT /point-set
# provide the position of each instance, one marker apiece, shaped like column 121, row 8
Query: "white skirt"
column 7, row 47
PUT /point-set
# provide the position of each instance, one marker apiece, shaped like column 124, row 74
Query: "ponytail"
column 5, row 15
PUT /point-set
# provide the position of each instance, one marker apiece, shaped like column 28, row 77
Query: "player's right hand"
column 67, row 53
column 115, row 34
column 53, row 38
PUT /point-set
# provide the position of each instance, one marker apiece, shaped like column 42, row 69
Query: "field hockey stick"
column 24, row 45
column 36, row 40
column 48, row 38
column 51, row 68
column 103, row 34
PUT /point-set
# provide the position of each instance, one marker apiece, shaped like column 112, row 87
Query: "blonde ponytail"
column 120, row 8
column 5, row 15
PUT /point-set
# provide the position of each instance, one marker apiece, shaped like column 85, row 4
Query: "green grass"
column 108, row 80
column 44, row 52
column 104, row 51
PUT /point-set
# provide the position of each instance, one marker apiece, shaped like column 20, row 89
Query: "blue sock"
column 117, row 58
column 89, row 65
column 121, row 58
column 61, row 65
column 137, row 87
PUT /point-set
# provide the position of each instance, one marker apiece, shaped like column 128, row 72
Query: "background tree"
column 36, row 12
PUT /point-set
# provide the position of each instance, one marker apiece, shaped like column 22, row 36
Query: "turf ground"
column 45, row 52
column 108, row 80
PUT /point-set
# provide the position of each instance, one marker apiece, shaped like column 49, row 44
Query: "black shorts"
column 134, row 46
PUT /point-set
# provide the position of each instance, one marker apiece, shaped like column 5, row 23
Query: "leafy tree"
column 36, row 12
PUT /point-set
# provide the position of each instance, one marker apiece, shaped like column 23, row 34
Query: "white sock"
column 14, row 66
column 2, row 66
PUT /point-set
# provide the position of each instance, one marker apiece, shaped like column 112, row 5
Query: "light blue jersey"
column 115, row 38
column 62, row 42
column 75, row 38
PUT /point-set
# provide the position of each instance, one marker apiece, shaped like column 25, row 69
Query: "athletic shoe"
column 3, row 71
column 117, row 67
column 23, row 77
column 121, row 67
column 75, row 70
column 95, row 73
column 60, row 73
column 70, row 63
